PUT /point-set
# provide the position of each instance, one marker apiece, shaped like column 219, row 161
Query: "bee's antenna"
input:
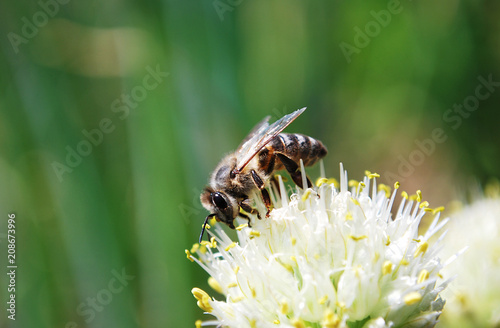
column 204, row 225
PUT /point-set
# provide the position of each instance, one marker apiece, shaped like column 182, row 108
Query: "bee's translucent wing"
column 262, row 125
column 262, row 135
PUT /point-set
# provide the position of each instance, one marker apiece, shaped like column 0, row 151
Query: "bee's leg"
column 247, row 208
column 265, row 194
column 293, row 170
column 246, row 217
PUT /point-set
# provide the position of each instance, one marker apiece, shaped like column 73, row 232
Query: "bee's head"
column 221, row 206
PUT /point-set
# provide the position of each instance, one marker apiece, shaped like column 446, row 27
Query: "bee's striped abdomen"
column 298, row 146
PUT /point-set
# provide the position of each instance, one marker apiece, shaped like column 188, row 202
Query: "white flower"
column 473, row 298
column 326, row 258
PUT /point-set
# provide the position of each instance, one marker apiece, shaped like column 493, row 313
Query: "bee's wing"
column 262, row 125
column 262, row 135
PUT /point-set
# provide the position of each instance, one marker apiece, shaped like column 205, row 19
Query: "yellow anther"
column 385, row 188
column 435, row 210
column 207, row 226
column 376, row 257
column 404, row 194
column 372, row 175
column 212, row 222
column 334, row 182
column 362, row 184
column 388, row 242
column 330, row 319
column 252, row 323
column 203, row 249
column 230, row 246
column 203, row 299
column 195, row 247
column 355, row 201
column 357, row 238
column 306, row 195
column 386, row 267
column 413, row 197
column 294, row 241
column 424, row 204
column 288, row 267
column 298, row 323
column 188, row 255
column 423, row 276
column 421, row 249
column 293, row 258
column 404, row 262
column 276, row 322
column 241, row 226
column 236, row 269
column 323, row 300
column 353, row 183
column 213, row 242
column 231, row 285
column 348, row 216
column 396, row 185
column 419, row 196
column 237, row 299
column 412, row 298
column 254, row 293
column 284, row 307
column 215, row 285
column 317, row 256
column 199, row 293
column 198, row 323
column 205, row 243
column 440, row 275
column 255, row 233
column 321, row 181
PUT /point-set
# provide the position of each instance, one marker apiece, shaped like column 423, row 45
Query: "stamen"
column 385, row 188
column 423, row 276
column 215, row 285
column 242, row 226
column 189, row 256
column 412, row 298
column 387, row 267
column 233, row 244
column 421, row 249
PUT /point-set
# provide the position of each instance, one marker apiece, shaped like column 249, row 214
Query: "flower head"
column 326, row 257
column 473, row 297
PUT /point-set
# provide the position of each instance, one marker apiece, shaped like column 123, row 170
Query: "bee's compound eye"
column 219, row 200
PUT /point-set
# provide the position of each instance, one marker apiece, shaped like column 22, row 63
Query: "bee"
column 264, row 151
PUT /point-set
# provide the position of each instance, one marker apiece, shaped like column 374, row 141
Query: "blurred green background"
column 113, row 114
